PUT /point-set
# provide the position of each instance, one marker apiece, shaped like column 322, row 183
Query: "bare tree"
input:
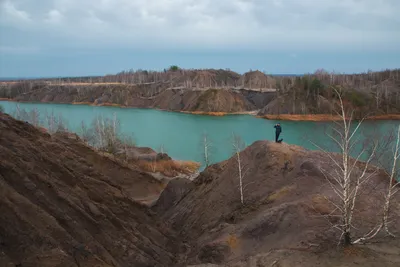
column 207, row 146
column 238, row 145
column 161, row 149
column 86, row 133
column 126, row 142
column 394, row 184
column 106, row 132
column 345, row 181
column 19, row 114
column 378, row 96
column 56, row 123
column 34, row 117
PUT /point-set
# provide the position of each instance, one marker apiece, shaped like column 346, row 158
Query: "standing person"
column 278, row 130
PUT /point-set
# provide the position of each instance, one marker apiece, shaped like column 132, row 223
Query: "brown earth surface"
column 157, row 96
column 283, row 216
column 63, row 204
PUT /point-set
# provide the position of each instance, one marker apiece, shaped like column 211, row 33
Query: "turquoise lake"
column 181, row 134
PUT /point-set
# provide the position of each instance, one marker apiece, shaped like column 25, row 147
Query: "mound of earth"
column 284, row 211
column 256, row 80
column 63, row 204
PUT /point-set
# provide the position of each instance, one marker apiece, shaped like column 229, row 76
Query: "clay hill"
column 282, row 222
column 201, row 90
column 63, row 204
column 217, row 90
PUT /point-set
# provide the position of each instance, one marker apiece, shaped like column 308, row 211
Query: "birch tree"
column 207, row 146
column 393, row 185
column 106, row 133
column 86, row 134
column 238, row 145
column 34, row 117
column 392, row 173
column 345, row 181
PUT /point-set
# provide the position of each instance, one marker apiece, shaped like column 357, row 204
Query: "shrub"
column 174, row 68
column 169, row 167
column 358, row 99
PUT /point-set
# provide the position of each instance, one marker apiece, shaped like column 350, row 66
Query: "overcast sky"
column 89, row 37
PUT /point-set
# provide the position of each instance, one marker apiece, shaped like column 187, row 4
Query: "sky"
column 51, row 38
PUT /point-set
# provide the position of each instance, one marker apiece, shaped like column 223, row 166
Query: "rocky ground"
column 64, row 204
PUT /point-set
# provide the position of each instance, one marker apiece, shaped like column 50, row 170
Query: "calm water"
column 180, row 134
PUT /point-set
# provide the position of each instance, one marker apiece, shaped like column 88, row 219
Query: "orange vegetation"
column 108, row 105
column 84, row 83
column 300, row 117
column 280, row 193
column 386, row 117
column 321, row 204
column 42, row 129
column 323, row 117
column 82, row 103
column 95, row 104
column 218, row 114
column 232, row 241
column 169, row 167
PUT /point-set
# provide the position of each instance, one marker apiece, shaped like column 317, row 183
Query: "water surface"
column 181, row 134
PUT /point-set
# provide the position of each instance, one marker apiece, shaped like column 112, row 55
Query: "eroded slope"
column 285, row 203
column 62, row 204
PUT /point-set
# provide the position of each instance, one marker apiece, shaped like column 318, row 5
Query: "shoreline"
column 324, row 117
column 282, row 117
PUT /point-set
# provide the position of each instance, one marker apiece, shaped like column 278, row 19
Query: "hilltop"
column 220, row 91
column 282, row 220
column 63, row 203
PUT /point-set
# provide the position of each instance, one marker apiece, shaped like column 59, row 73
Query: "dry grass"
column 232, row 241
column 322, row 205
column 108, row 104
column 300, row 117
column 323, row 117
column 280, row 193
column 217, row 114
column 84, row 83
column 82, row 103
column 42, row 129
column 352, row 251
column 94, row 104
column 169, row 168
column 385, row 117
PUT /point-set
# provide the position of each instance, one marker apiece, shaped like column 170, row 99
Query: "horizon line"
column 4, row 78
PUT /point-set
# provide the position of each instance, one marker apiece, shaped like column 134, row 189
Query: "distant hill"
column 218, row 90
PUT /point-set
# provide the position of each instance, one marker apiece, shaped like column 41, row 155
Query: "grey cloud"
column 269, row 24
